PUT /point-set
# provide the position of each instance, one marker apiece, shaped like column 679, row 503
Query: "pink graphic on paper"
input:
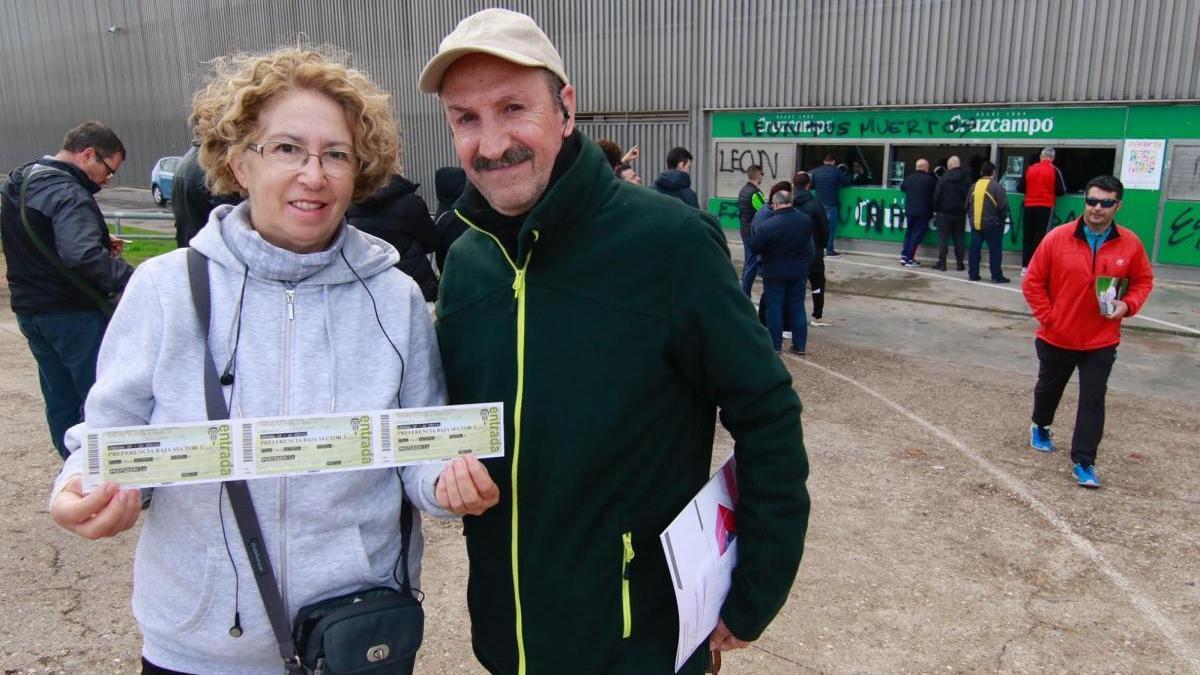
column 726, row 528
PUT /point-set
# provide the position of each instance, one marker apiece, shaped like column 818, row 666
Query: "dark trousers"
column 1034, row 228
column 994, row 237
column 950, row 227
column 65, row 345
column 831, row 215
column 1055, row 366
column 750, row 266
column 914, row 234
column 149, row 668
column 816, row 280
column 786, row 296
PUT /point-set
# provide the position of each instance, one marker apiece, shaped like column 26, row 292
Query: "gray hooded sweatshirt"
column 310, row 344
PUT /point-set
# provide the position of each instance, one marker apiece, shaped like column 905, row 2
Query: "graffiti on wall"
column 1180, row 239
column 732, row 160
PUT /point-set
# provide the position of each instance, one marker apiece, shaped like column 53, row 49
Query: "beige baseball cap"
column 505, row 34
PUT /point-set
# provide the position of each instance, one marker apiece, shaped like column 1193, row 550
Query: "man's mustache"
column 511, row 156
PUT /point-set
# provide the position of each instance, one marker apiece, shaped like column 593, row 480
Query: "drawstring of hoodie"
column 332, row 351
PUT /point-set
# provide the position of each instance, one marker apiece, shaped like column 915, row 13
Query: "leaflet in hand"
column 1108, row 291
column 219, row 450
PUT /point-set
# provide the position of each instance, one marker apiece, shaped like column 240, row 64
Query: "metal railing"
column 117, row 216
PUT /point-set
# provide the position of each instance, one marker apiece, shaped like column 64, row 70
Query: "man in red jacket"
column 1084, row 278
column 1043, row 183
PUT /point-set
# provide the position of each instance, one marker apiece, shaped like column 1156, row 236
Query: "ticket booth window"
column 864, row 163
column 1077, row 164
column 970, row 156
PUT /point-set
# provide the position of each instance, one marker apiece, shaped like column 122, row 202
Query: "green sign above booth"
column 998, row 123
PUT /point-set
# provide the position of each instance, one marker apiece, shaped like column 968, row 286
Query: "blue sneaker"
column 1086, row 475
column 1039, row 438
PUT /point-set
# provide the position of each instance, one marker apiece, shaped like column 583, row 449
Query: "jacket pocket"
column 174, row 601
column 626, row 601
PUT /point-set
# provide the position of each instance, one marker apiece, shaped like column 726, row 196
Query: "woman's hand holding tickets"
column 106, row 512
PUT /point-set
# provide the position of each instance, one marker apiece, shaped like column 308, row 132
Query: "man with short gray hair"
column 609, row 321
column 64, row 270
column 1042, row 185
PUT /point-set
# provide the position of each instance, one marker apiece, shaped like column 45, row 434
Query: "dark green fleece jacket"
column 613, row 337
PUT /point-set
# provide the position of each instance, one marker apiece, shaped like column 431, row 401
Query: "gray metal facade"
column 646, row 72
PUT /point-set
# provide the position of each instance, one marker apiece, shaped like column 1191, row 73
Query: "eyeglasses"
column 111, row 171
column 1103, row 203
column 293, row 157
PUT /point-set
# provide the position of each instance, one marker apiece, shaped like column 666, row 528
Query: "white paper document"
column 218, row 450
column 701, row 550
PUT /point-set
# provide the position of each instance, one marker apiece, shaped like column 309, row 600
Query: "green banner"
column 877, row 214
column 997, row 123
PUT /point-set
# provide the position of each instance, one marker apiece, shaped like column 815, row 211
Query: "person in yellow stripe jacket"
column 987, row 211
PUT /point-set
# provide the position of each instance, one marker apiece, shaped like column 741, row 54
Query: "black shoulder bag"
column 374, row 630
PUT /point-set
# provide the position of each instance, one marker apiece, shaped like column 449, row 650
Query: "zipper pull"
column 291, row 303
column 627, row 539
column 518, row 284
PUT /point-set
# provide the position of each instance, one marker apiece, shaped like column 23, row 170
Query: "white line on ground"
column 1181, row 648
column 1015, row 288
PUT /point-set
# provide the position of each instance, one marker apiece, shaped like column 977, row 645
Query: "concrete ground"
column 939, row 541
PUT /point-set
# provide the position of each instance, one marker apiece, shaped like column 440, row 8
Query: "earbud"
column 236, row 629
column 227, row 376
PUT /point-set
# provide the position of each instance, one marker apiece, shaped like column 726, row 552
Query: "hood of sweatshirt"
column 672, row 180
column 229, row 240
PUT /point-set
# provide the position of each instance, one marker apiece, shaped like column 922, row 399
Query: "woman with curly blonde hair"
column 308, row 316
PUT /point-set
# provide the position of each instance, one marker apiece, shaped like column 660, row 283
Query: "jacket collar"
column 579, row 188
column 1082, row 236
column 74, row 171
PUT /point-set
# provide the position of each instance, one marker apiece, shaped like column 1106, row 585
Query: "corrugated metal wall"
column 680, row 58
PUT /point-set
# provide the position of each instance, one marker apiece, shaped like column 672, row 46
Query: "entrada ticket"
column 218, row 450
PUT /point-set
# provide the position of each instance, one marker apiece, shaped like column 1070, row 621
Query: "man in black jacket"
column 63, row 268
column 750, row 200
column 191, row 200
column 918, row 188
column 783, row 237
column 398, row 215
column 676, row 181
column 950, row 212
column 449, row 183
column 804, row 202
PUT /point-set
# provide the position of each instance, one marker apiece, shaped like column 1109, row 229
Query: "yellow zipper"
column 518, row 286
column 626, row 605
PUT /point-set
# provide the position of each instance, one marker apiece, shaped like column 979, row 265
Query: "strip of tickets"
column 219, row 450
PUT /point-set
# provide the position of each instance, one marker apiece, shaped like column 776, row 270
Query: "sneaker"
column 797, row 352
column 1039, row 438
column 1001, row 280
column 904, row 262
column 832, row 254
column 912, row 263
column 819, row 323
column 1086, row 475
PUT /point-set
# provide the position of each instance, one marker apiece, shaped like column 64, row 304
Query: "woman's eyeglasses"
column 293, row 156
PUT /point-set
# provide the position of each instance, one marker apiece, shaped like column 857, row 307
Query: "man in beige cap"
column 609, row 320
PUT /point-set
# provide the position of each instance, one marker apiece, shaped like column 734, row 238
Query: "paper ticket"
column 199, row 452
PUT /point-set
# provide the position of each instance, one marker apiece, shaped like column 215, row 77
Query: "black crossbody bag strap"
column 239, row 493
column 77, row 281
